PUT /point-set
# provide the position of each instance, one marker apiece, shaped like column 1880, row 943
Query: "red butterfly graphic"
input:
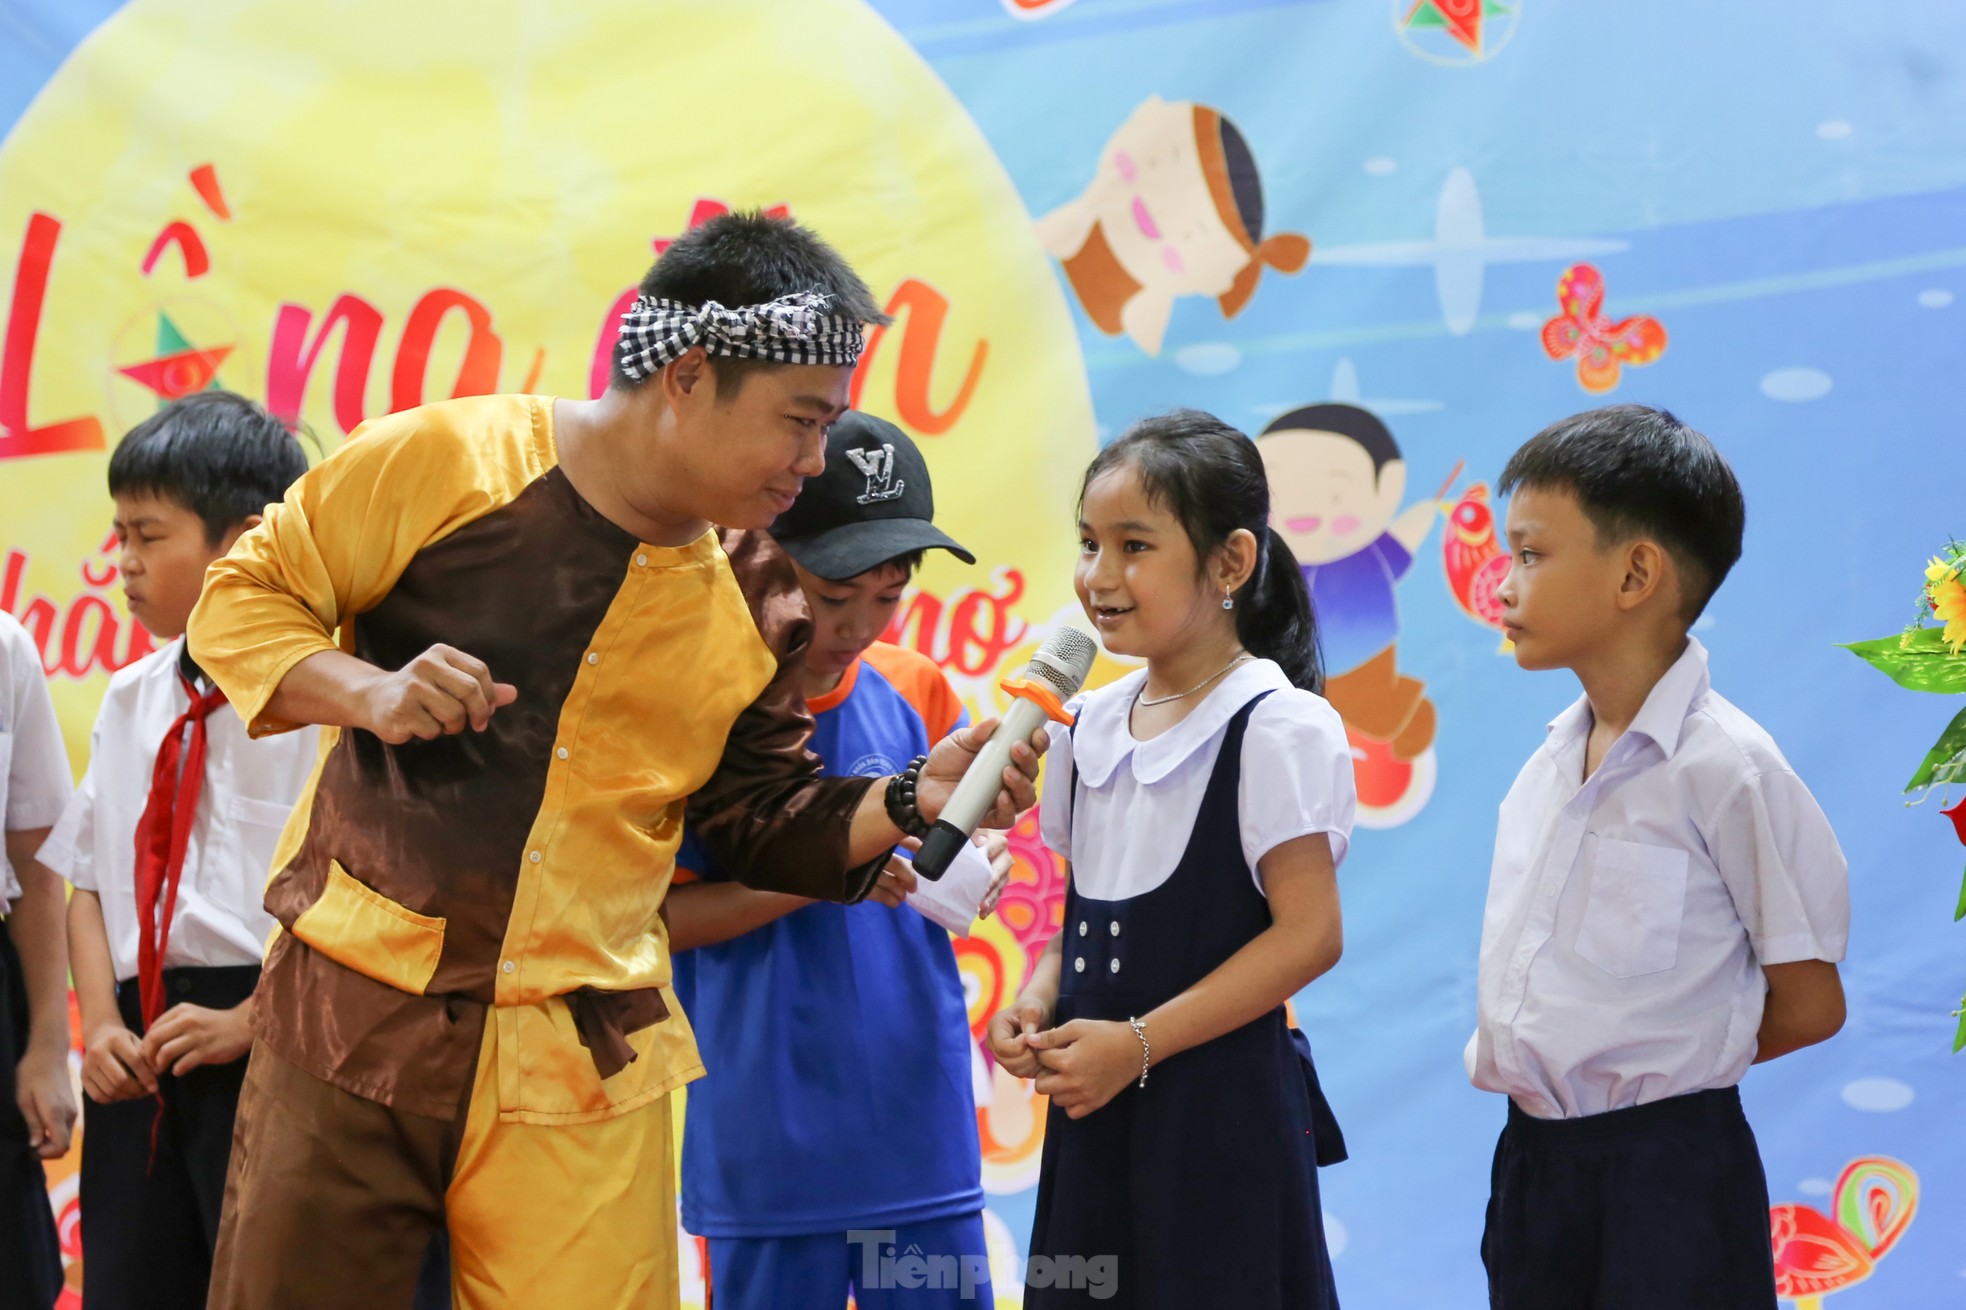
column 1601, row 348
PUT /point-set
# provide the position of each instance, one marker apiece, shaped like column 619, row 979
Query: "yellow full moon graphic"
column 343, row 209
column 349, row 208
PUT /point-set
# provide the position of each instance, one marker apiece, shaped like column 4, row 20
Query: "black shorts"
column 1659, row 1205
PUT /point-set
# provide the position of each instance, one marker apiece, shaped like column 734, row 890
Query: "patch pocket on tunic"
column 355, row 925
column 1638, row 897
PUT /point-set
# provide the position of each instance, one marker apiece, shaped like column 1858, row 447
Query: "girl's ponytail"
column 1274, row 617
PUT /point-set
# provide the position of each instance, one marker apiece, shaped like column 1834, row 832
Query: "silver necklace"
column 1162, row 700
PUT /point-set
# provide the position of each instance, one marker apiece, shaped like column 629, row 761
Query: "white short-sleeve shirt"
column 1629, row 914
column 1138, row 800
column 34, row 781
column 249, row 791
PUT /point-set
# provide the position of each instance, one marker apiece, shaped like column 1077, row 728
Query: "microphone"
column 1053, row 676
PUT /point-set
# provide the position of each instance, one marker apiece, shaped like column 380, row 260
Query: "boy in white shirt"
column 178, row 814
column 1667, row 903
column 37, row 1104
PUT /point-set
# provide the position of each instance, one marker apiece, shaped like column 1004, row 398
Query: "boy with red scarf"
column 167, row 843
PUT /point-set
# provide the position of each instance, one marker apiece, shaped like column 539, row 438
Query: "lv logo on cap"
column 878, row 467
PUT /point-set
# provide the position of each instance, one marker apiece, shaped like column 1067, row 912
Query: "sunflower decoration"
column 1932, row 658
column 1945, row 590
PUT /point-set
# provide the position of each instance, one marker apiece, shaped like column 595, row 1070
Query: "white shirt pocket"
column 252, row 810
column 1637, row 899
column 256, row 825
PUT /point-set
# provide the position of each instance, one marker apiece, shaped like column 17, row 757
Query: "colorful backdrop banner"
column 1390, row 238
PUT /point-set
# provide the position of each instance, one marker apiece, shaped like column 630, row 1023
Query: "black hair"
column 1245, row 182
column 908, row 561
column 218, row 454
column 747, row 258
column 1210, row 478
column 1360, row 425
column 1640, row 472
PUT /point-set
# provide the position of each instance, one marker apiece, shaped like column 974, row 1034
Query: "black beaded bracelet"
column 902, row 807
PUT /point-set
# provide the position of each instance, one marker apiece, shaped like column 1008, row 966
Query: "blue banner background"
column 1788, row 188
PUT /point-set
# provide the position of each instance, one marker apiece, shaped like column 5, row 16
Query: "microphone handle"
column 939, row 850
column 977, row 791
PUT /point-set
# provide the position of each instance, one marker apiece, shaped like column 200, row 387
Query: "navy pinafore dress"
column 1200, row 1189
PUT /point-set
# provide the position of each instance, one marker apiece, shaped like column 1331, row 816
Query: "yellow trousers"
column 563, row 1214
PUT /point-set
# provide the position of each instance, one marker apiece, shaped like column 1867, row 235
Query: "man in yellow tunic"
column 561, row 625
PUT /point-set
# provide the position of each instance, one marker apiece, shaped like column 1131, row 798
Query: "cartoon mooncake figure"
column 1175, row 209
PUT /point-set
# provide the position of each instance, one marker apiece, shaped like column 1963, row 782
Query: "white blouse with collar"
column 1138, row 800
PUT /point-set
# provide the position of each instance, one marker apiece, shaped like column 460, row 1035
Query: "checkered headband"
column 794, row 329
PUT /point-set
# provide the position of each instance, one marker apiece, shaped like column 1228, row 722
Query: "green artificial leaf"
column 1946, row 761
column 1959, row 1038
column 1920, row 661
column 1960, row 913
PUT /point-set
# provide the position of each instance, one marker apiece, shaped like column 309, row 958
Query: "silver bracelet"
column 1146, row 1051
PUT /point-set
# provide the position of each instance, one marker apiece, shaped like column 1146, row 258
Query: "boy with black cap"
column 829, row 1028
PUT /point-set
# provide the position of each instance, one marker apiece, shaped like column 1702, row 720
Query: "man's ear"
column 691, row 377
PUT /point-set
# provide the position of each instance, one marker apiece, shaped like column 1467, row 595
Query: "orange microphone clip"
column 1031, row 689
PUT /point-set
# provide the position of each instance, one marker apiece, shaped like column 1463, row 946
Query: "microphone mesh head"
column 1063, row 661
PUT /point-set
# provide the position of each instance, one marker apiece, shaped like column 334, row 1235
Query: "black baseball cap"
column 872, row 503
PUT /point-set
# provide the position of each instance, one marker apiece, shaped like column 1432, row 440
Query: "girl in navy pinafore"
column 1198, row 1188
